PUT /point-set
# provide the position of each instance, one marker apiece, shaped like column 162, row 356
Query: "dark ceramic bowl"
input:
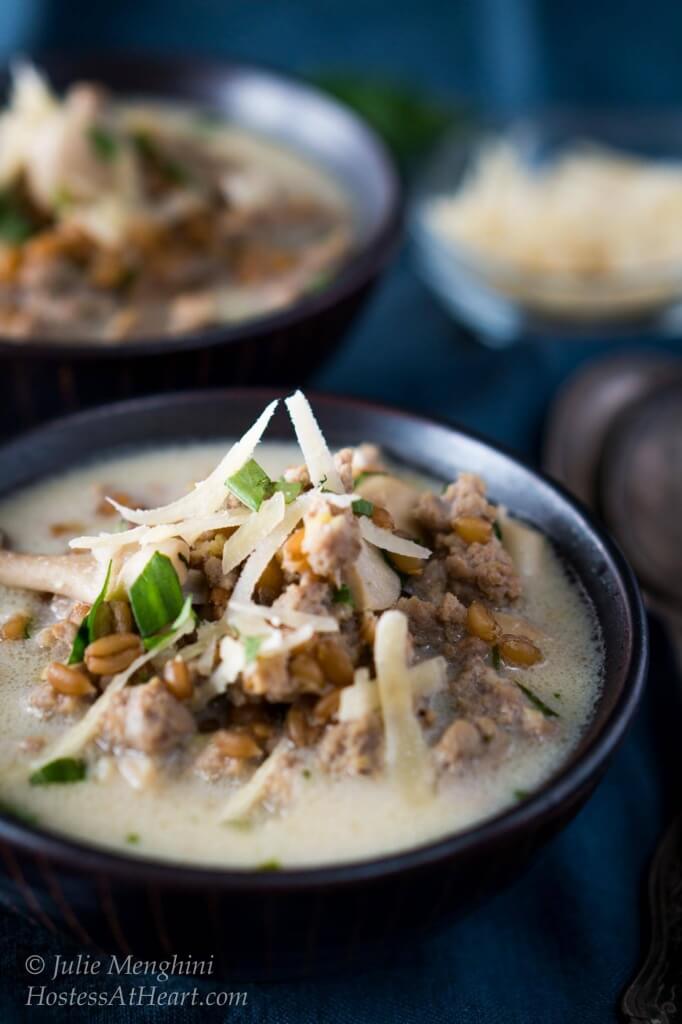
column 297, row 920
column 40, row 379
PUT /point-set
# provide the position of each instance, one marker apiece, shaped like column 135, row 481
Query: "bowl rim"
column 540, row 806
column 358, row 271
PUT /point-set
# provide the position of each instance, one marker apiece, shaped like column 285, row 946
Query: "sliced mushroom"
column 398, row 497
column 373, row 583
column 527, row 547
column 77, row 576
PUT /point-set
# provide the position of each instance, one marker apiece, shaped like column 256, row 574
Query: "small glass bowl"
column 502, row 302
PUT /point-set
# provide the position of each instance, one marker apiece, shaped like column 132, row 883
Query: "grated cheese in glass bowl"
column 562, row 223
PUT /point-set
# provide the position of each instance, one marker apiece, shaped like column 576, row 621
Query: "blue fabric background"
column 561, row 943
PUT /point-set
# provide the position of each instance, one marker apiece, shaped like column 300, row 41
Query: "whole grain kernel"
column 481, row 623
column 408, row 565
column 238, row 744
column 382, row 517
column 327, row 706
column 335, row 662
column 111, row 654
column 519, row 650
column 69, row 679
column 16, row 627
column 307, row 672
column 473, row 529
column 178, row 678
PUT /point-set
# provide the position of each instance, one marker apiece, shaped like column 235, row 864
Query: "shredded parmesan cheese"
column 407, row 757
column 266, row 549
column 187, row 530
column 232, row 661
column 245, row 799
column 316, row 453
column 526, row 546
column 256, row 528
column 388, row 541
column 362, row 698
column 281, row 617
column 209, row 495
column 589, row 212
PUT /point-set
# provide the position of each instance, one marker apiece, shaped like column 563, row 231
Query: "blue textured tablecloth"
column 560, row 944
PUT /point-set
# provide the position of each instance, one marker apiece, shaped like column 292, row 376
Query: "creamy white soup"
column 326, row 660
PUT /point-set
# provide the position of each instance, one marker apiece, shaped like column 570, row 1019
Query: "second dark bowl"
column 297, row 920
column 41, row 379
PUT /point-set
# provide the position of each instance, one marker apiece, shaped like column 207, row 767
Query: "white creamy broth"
column 328, row 819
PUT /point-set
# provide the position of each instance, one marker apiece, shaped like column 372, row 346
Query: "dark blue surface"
column 563, row 941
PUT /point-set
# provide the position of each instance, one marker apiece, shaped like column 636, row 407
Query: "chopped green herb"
column 252, row 645
column 156, row 595
column 132, row 838
column 150, row 642
column 87, row 633
column 161, row 162
column 362, row 507
column 307, row 774
column 64, row 769
column 343, row 595
column 15, row 223
column 495, row 655
column 269, row 865
column 251, row 484
column 104, row 144
column 325, row 490
column 537, row 702
column 521, row 794
column 497, row 530
column 365, row 475
column 557, row 695
column 290, row 491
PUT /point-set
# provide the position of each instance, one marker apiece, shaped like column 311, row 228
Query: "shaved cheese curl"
column 407, row 756
column 316, row 453
column 282, row 617
column 260, row 557
column 256, row 528
column 244, row 801
column 188, row 530
column 388, row 541
column 209, row 495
